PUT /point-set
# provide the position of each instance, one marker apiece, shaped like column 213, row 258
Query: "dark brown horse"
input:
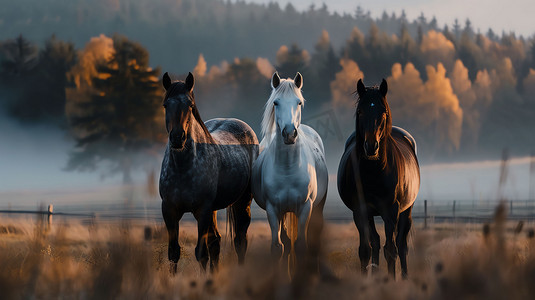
column 379, row 176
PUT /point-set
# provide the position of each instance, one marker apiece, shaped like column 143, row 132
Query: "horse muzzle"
column 371, row 150
column 177, row 140
column 289, row 135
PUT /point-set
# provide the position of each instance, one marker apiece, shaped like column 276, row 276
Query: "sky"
column 512, row 15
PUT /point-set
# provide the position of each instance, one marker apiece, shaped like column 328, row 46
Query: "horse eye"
column 300, row 103
column 275, row 103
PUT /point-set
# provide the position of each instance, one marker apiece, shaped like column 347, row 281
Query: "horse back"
column 408, row 170
column 237, row 150
column 231, row 132
column 402, row 134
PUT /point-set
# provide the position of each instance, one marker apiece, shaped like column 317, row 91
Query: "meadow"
column 88, row 259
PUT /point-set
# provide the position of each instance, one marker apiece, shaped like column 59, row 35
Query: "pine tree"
column 292, row 60
column 55, row 61
column 16, row 74
column 120, row 120
column 324, row 66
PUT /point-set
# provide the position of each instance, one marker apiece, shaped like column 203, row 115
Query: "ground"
column 72, row 258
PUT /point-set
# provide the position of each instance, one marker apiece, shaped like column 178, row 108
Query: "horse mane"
column 286, row 88
column 178, row 88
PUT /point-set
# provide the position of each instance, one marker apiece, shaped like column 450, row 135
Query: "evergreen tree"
column 55, row 61
column 324, row 66
column 120, row 120
column 292, row 60
column 17, row 77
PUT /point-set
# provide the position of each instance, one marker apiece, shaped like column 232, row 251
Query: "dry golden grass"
column 115, row 261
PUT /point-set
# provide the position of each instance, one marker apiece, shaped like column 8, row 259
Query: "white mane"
column 286, row 89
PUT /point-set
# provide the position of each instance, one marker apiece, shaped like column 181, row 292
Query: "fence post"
column 50, row 213
column 425, row 214
column 511, row 208
column 453, row 209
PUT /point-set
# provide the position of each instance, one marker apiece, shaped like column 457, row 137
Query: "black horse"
column 379, row 175
column 206, row 167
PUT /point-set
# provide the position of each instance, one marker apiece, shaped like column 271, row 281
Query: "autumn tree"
column 119, row 121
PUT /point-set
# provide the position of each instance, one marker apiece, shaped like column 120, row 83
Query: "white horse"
column 290, row 174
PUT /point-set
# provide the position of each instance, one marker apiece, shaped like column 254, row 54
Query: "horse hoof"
column 173, row 268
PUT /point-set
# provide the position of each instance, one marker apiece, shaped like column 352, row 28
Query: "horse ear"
column 298, row 80
column 275, row 80
column 190, row 82
column 383, row 89
column 166, row 80
column 361, row 89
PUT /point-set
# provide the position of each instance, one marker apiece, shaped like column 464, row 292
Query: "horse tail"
column 290, row 225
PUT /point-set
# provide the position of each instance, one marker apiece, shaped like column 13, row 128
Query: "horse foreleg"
column 390, row 250
column 241, row 212
column 315, row 227
column 171, row 218
column 214, row 243
column 375, row 241
column 404, row 226
column 204, row 220
column 275, row 224
column 303, row 218
column 361, row 221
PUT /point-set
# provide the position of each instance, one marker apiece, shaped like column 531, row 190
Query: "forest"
column 93, row 68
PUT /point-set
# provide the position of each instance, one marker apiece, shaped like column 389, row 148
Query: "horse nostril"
column 183, row 136
column 284, row 134
column 366, row 144
column 295, row 132
column 376, row 145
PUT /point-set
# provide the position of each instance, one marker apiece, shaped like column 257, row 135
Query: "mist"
column 465, row 96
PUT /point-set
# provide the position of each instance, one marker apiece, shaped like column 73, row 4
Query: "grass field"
column 117, row 260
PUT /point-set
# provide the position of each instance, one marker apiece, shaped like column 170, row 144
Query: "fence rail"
column 424, row 211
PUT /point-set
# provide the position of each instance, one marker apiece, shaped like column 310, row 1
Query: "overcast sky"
column 500, row 15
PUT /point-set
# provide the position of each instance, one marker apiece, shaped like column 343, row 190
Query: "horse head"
column 179, row 103
column 287, row 103
column 373, row 118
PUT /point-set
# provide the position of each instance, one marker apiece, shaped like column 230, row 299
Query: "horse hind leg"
column 240, row 220
column 214, row 243
column 171, row 217
column 286, row 241
column 404, row 226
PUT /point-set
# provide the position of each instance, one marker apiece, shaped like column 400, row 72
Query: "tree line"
column 462, row 93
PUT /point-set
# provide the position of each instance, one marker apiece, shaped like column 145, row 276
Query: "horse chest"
column 288, row 191
column 191, row 186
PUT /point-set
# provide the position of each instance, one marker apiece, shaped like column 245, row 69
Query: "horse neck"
column 287, row 156
column 196, row 135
